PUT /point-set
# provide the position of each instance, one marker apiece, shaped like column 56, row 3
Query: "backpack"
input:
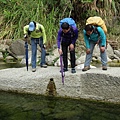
column 70, row 21
column 97, row 21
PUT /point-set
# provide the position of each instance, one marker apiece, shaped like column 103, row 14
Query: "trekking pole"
column 26, row 52
column 61, row 65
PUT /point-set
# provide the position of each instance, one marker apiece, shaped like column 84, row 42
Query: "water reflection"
column 31, row 107
column 10, row 64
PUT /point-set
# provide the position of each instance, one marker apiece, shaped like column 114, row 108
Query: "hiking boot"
column 86, row 68
column 44, row 66
column 33, row 69
column 65, row 69
column 104, row 67
column 73, row 70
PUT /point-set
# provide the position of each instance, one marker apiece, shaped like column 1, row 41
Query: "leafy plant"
column 5, row 54
column 3, row 1
column 17, row 13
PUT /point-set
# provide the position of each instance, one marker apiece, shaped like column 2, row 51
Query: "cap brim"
column 31, row 28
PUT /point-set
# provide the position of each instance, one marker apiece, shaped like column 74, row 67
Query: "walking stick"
column 62, row 71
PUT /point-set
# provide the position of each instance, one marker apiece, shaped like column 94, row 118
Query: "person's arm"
column 76, row 35
column 41, row 27
column 86, row 39
column 25, row 29
column 59, row 39
column 102, row 36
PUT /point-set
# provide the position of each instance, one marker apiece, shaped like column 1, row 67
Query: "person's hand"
column 44, row 46
column 25, row 36
column 88, row 51
column 71, row 47
column 60, row 51
column 102, row 49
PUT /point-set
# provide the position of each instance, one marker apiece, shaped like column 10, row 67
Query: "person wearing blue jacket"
column 66, row 38
column 92, row 36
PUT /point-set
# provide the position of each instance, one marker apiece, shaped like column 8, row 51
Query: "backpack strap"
column 95, row 30
column 29, row 32
column 72, row 32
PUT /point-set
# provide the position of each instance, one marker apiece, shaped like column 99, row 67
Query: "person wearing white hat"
column 38, row 36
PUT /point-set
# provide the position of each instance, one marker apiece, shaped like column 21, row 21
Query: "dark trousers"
column 65, row 55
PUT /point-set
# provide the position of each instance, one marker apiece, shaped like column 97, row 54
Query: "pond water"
column 33, row 107
column 10, row 64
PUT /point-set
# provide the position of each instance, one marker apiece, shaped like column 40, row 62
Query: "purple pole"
column 61, row 65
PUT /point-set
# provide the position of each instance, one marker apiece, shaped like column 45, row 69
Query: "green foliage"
column 17, row 13
column 85, row 1
column 115, row 30
column 3, row 1
column 5, row 54
column 92, row 13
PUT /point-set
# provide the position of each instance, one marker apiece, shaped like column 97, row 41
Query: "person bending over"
column 66, row 38
column 92, row 36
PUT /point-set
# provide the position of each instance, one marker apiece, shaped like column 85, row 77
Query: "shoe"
column 73, row 70
column 104, row 67
column 33, row 69
column 64, row 70
column 44, row 66
column 86, row 68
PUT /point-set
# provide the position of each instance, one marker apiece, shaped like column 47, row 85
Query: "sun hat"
column 31, row 26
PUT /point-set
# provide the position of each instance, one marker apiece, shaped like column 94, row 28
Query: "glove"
column 25, row 36
column 44, row 46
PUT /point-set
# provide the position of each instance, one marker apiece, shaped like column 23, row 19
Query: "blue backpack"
column 70, row 21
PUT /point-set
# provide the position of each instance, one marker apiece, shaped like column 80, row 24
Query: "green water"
column 31, row 107
column 10, row 64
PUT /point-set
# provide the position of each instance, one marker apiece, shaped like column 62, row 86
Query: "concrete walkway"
column 93, row 84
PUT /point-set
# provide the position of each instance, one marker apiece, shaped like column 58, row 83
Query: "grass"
column 19, row 13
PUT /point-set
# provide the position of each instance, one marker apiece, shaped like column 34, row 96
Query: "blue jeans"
column 89, row 56
column 34, row 42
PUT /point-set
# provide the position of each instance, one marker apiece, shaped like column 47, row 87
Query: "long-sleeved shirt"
column 95, row 37
column 69, row 38
column 37, row 33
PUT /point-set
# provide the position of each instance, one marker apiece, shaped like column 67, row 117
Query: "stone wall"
column 94, row 84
